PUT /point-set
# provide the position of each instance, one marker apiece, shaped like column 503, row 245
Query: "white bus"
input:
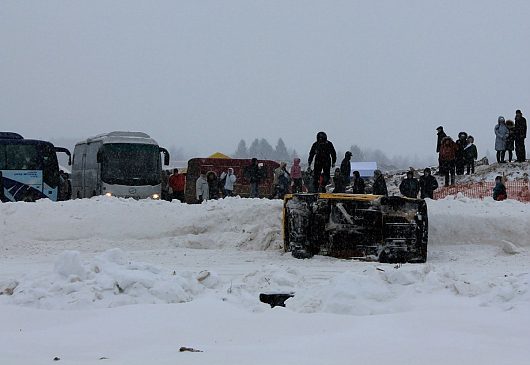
column 122, row 164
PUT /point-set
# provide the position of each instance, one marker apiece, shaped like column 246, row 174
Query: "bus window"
column 20, row 157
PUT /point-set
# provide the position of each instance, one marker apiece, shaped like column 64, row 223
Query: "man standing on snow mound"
column 520, row 135
column 325, row 157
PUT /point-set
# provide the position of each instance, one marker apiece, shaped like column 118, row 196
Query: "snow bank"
column 463, row 220
column 233, row 223
column 109, row 280
column 252, row 224
column 408, row 288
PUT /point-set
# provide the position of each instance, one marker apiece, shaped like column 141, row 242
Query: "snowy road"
column 134, row 281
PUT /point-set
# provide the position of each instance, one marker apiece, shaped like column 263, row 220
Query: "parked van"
column 123, row 164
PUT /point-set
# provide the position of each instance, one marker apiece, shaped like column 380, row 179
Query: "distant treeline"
column 262, row 149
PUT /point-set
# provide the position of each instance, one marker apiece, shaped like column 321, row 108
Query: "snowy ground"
column 117, row 281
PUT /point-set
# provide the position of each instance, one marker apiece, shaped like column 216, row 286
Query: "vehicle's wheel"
column 301, row 254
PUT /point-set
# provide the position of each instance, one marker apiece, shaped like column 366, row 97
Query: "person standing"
column 447, row 159
column 470, row 155
column 410, row 186
column 501, row 134
column 520, row 135
column 202, row 191
column 441, row 135
column 510, row 139
column 358, row 183
column 338, row 182
column 379, row 186
column 345, row 168
column 325, row 157
column 280, row 184
column 229, row 180
column 177, row 183
column 428, row 184
column 460, row 158
column 254, row 174
column 296, row 176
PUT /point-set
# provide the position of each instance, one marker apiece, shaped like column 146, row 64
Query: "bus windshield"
column 130, row 164
column 19, row 157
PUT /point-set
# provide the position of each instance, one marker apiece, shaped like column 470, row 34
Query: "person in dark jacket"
column 460, row 161
column 410, row 187
column 358, row 183
column 213, row 185
column 254, row 174
column 345, row 168
column 499, row 191
column 379, row 186
column 338, row 182
column 441, row 134
column 447, row 159
column 520, row 135
column 470, row 155
column 325, row 158
column 428, row 184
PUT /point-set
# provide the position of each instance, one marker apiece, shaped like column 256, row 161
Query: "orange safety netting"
column 518, row 190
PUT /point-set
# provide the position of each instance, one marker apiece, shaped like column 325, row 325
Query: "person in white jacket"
column 229, row 181
column 202, row 191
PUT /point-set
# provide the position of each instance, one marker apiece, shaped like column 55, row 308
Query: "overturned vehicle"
column 366, row 227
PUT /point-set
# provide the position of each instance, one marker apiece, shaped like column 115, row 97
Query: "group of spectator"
column 509, row 136
column 425, row 185
column 455, row 157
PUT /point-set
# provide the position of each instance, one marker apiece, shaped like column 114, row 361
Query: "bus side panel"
column 92, row 185
column 78, row 171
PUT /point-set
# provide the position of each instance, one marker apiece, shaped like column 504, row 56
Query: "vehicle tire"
column 301, row 254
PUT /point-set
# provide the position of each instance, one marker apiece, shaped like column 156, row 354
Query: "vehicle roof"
column 24, row 142
column 121, row 137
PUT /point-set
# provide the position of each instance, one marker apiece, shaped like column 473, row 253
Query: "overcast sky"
column 204, row 74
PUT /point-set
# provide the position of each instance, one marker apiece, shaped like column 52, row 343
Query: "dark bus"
column 28, row 168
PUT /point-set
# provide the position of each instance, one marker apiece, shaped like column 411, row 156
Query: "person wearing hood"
column 228, row 180
column 338, row 182
column 501, row 134
column 428, row 184
column 379, row 185
column 358, row 183
column 296, row 176
column 325, row 157
column 345, row 168
column 202, row 191
column 499, row 191
column 520, row 136
column 410, row 186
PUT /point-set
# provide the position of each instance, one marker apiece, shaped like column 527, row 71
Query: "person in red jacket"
column 448, row 150
column 177, row 183
column 296, row 176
